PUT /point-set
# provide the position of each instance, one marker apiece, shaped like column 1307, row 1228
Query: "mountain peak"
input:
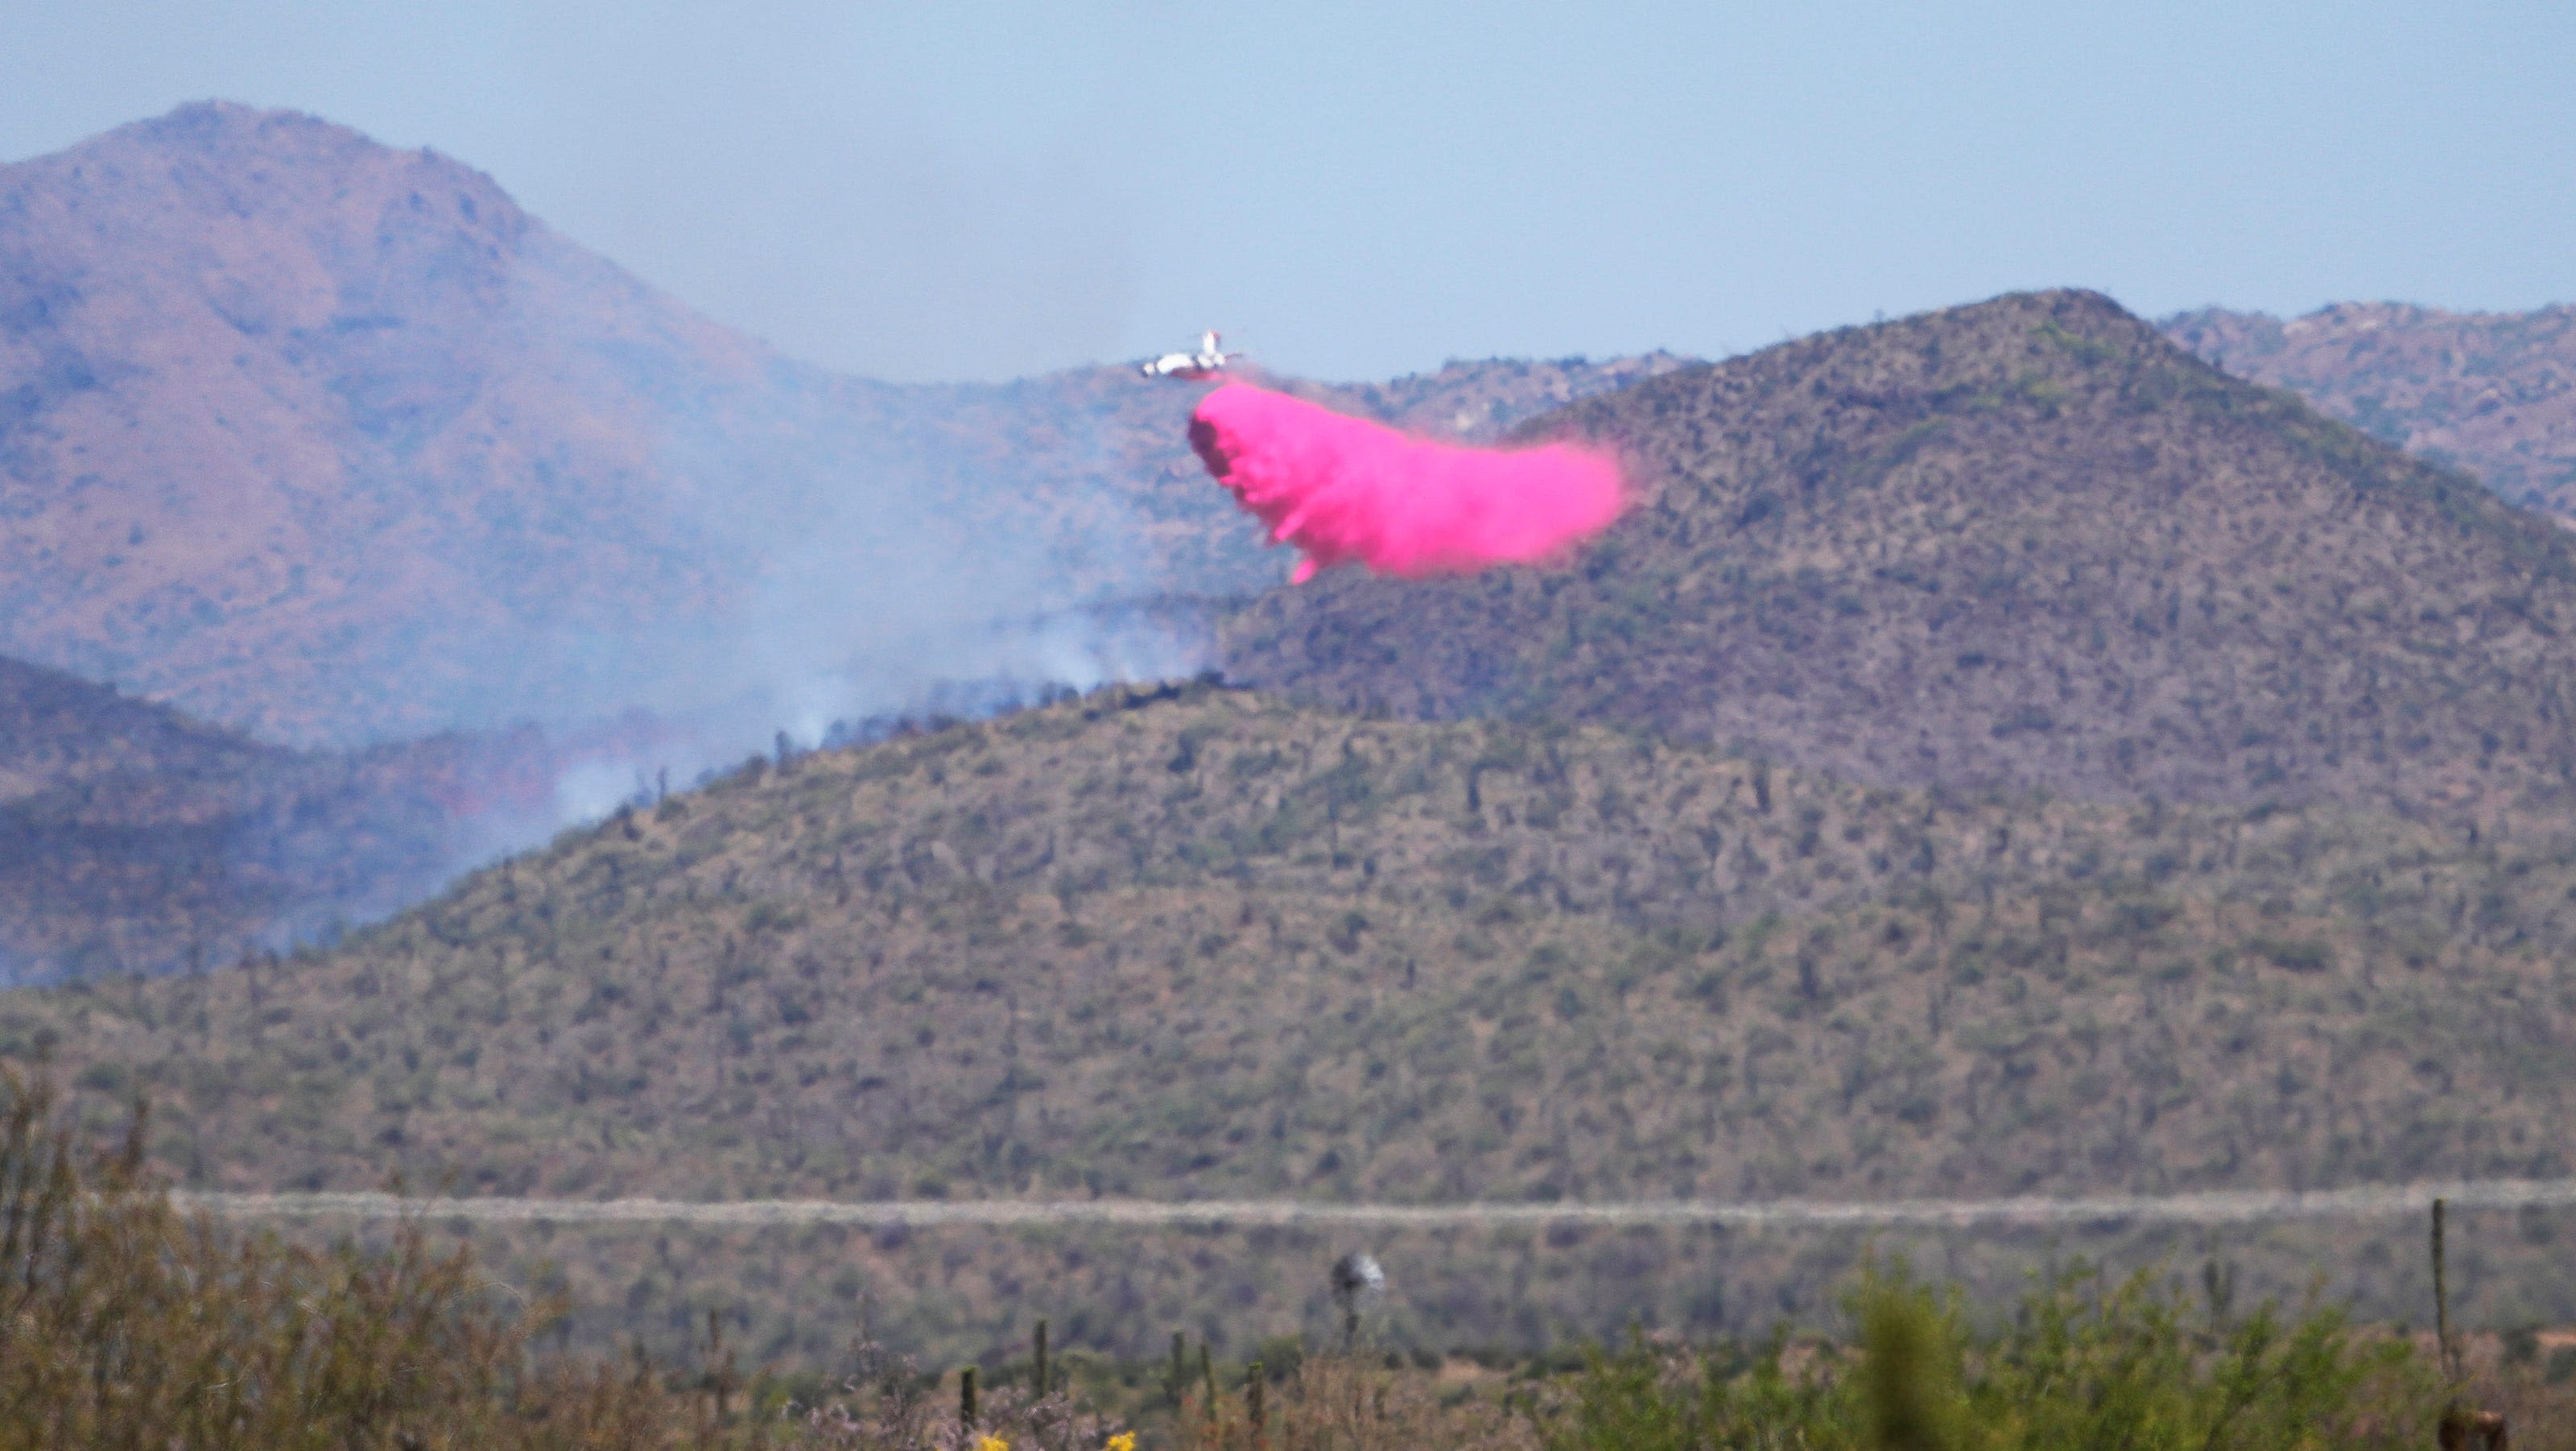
column 386, row 406
column 226, row 166
column 210, row 122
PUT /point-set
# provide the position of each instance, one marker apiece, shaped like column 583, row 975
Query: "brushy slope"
column 1214, row 945
column 2028, row 542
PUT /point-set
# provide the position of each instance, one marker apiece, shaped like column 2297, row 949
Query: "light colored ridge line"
column 2217, row 1206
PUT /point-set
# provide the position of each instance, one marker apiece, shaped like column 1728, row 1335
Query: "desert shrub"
column 2082, row 1363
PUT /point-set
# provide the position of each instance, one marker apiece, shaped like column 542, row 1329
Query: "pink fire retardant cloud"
column 1344, row 491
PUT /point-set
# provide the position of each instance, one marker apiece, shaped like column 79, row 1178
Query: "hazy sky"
column 1358, row 190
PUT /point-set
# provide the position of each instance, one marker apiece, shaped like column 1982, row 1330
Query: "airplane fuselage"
column 1210, row 360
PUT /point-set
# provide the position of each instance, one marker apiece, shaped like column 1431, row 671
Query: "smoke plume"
column 1347, row 491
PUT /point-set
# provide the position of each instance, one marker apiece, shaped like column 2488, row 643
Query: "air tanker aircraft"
column 1207, row 362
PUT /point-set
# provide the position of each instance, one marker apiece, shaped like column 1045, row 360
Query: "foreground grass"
column 124, row 1323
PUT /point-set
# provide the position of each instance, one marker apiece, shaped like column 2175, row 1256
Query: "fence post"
column 2442, row 1305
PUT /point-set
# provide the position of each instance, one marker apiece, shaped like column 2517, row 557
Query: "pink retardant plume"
column 1346, row 491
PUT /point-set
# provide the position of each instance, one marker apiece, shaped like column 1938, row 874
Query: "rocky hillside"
column 2026, row 543
column 2492, row 393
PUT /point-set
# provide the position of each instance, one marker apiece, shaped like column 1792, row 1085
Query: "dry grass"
column 126, row 1324
column 1353, row 1403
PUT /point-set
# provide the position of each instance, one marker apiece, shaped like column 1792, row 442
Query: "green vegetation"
column 2082, row 1363
column 1094, row 948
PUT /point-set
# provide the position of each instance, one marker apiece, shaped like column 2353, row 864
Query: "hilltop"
column 2492, row 393
column 337, row 444
column 2028, row 542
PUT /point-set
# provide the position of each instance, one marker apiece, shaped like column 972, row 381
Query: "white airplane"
column 1207, row 362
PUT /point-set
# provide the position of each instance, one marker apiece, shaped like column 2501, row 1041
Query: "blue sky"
column 1359, row 190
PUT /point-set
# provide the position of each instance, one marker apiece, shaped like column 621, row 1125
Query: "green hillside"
column 2025, row 543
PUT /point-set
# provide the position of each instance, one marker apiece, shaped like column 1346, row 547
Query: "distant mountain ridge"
column 336, row 443
column 2492, row 393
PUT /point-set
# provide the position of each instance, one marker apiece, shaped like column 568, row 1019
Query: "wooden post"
column 1180, row 1369
column 966, row 1398
column 2442, row 1305
column 1253, row 1381
column 720, row 1379
column 1041, row 1359
column 2460, row 1425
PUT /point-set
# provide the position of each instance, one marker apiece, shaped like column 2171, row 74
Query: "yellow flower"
column 992, row 1443
column 1123, row 1441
